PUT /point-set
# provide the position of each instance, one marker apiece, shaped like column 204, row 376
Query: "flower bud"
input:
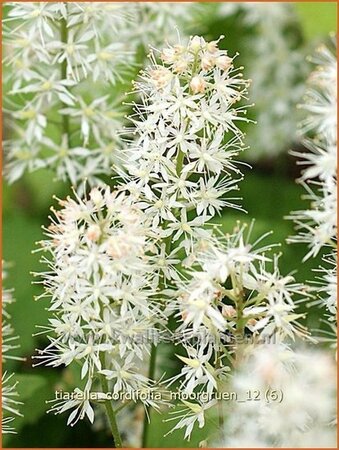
column 96, row 196
column 93, row 232
column 179, row 49
column 212, row 46
column 196, row 43
column 223, row 62
column 198, row 85
column 161, row 77
column 252, row 322
column 168, row 55
column 228, row 311
column 180, row 66
column 207, row 62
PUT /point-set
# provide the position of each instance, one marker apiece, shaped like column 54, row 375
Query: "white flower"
column 50, row 52
column 9, row 404
column 159, row 22
column 79, row 401
column 196, row 371
column 37, row 15
column 111, row 62
column 303, row 416
column 92, row 116
column 74, row 52
column 183, row 226
column 8, row 388
column 192, row 413
column 277, row 84
column 317, row 225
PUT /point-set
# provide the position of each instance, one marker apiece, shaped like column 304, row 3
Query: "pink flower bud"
column 198, row 85
column 223, row 62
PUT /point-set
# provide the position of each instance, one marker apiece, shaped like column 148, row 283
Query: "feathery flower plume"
column 9, row 393
column 317, row 225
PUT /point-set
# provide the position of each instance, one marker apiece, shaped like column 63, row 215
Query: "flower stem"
column 240, row 322
column 180, row 162
column 151, row 373
column 220, row 405
column 152, row 363
column 117, row 443
column 240, row 331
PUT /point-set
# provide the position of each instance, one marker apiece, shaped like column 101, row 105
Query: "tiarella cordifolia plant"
column 235, row 295
column 181, row 162
column 103, row 298
column 180, row 165
column 278, row 79
column 317, row 226
column 123, row 262
column 286, row 401
column 59, row 56
column 10, row 404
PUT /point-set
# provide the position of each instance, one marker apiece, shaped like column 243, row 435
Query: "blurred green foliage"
column 268, row 195
column 318, row 18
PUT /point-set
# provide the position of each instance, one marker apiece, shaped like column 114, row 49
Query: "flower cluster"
column 277, row 80
column 8, row 388
column 187, row 137
column 58, row 56
column 302, row 418
column 317, row 226
column 236, row 296
column 102, row 293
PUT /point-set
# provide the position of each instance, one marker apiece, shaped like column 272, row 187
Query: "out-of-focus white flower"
column 275, row 64
column 60, row 55
column 159, row 22
column 8, row 388
column 304, row 381
column 317, row 225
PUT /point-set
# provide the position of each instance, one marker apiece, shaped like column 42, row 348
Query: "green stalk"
column 220, row 405
column 240, row 322
column 152, row 363
column 180, row 162
column 117, row 443
column 151, row 374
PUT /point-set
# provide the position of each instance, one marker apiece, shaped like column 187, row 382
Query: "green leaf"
column 20, row 234
column 33, row 391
